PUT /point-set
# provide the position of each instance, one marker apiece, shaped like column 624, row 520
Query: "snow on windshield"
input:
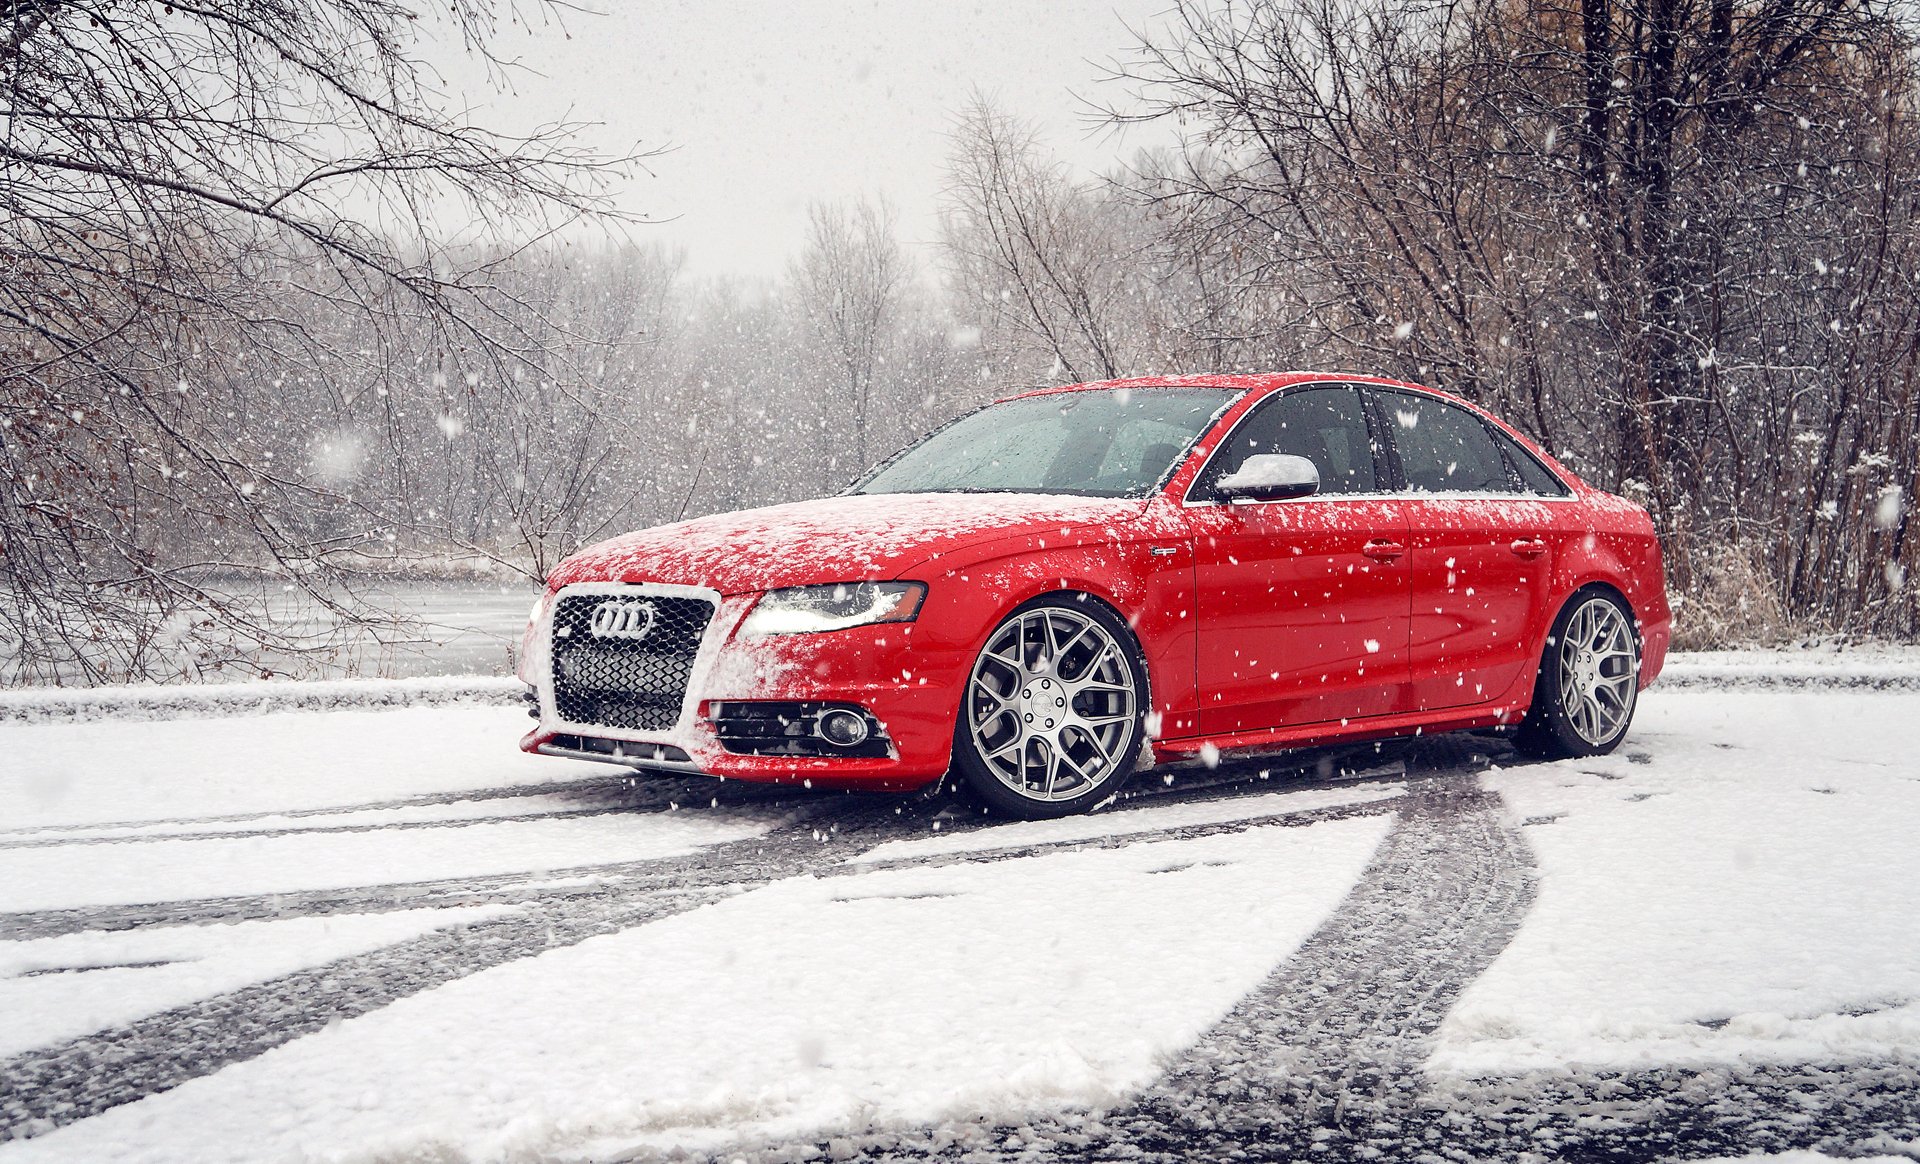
column 1114, row 442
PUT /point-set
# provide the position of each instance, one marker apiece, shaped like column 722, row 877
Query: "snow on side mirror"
column 1270, row 477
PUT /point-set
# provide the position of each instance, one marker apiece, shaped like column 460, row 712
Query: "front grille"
column 629, row 682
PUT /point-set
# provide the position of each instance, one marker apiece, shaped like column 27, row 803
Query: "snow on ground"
column 73, row 876
column 1746, row 892
column 1735, row 884
column 112, row 771
column 1136, row 820
column 895, row 997
column 59, row 988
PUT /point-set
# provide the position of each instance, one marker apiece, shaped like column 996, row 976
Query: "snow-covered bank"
column 207, row 700
column 1737, row 883
column 1887, row 667
column 112, row 772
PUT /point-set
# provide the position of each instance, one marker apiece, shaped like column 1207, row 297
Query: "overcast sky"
column 770, row 104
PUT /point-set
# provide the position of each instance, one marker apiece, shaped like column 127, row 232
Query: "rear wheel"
column 1589, row 680
column 1054, row 710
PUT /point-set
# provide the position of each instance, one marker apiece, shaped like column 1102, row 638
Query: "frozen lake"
column 456, row 628
column 472, row 628
column 442, row 627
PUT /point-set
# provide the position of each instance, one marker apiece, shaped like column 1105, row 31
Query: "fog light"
column 843, row 728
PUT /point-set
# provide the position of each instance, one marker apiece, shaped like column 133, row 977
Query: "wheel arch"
column 1104, row 573
column 1079, row 594
column 1543, row 730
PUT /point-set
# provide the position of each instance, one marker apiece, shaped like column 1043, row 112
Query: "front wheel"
column 1054, row 710
column 1589, row 680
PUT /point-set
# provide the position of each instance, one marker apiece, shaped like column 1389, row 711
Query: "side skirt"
column 1448, row 719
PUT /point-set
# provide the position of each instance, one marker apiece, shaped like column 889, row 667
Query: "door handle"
column 1529, row 547
column 1382, row 550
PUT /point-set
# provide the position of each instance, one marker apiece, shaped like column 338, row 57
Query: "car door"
column 1482, row 551
column 1302, row 603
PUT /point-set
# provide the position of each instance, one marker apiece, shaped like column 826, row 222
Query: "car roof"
column 1239, row 381
column 1264, row 381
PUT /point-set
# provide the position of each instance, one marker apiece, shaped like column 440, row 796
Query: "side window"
column 1444, row 449
column 1327, row 426
column 1534, row 477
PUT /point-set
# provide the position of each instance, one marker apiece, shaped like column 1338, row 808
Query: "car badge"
column 623, row 620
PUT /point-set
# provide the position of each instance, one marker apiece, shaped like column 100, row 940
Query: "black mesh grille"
column 626, row 682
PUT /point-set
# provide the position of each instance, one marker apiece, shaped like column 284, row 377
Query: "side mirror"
column 1270, row 477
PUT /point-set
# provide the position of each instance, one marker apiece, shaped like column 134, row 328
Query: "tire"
column 1053, row 714
column 1589, row 680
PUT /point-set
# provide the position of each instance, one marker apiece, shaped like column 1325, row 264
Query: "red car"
column 1045, row 593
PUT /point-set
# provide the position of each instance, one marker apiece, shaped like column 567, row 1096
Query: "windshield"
column 1103, row 442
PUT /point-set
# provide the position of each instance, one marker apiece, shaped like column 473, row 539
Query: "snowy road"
column 379, row 935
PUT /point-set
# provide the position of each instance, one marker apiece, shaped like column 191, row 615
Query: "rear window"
column 1443, row 448
column 1534, row 477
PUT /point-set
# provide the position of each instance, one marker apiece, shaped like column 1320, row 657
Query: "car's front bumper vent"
column 626, row 666
column 789, row 728
column 637, row 755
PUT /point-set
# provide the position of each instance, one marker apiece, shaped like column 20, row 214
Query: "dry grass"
column 1733, row 602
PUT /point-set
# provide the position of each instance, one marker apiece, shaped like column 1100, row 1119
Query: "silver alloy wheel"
column 1599, row 670
column 1050, row 704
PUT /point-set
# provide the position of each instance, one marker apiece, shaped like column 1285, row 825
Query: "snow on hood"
column 829, row 539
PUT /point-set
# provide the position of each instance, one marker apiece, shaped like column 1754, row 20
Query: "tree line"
column 243, row 358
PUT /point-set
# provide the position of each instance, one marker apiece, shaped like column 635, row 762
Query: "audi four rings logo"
column 623, row 620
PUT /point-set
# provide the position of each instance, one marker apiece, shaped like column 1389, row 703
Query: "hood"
column 830, row 539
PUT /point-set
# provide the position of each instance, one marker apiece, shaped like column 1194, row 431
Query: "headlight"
column 539, row 608
column 802, row 609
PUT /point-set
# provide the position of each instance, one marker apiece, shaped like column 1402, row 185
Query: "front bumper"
column 907, row 676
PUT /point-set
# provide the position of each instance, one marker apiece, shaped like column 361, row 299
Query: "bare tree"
column 1048, row 264
column 850, row 280
column 1672, row 238
column 193, row 197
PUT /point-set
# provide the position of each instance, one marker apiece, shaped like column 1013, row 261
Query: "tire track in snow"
column 451, row 822
column 628, row 792
column 1325, row 1056
column 548, row 886
column 1676, row 1113
column 1324, row 1061
column 709, row 797
column 721, row 799
column 1174, row 832
column 596, row 881
column 50, row 1087
column 591, row 785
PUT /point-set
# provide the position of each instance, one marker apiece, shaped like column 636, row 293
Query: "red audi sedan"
column 1056, row 589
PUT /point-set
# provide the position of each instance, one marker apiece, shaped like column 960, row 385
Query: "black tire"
column 1585, row 693
column 1099, row 740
